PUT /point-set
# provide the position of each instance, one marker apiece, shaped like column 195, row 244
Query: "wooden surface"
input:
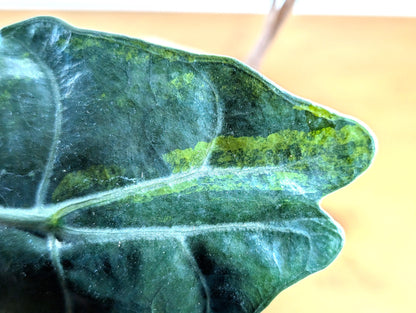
column 365, row 67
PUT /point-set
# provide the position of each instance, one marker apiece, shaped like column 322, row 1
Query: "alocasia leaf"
column 139, row 178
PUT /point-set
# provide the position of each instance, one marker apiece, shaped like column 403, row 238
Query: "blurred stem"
column 274, row 21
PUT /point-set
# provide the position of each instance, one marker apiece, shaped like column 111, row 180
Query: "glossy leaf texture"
column 140, row 178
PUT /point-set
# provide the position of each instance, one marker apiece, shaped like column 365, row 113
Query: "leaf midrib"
column 107, row 197
column 52, row 213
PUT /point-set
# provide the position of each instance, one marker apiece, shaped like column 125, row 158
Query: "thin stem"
column 274, row 21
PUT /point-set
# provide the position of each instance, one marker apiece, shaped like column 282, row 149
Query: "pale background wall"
column 316, row 7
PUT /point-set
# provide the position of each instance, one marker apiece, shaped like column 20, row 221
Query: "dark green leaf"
column 139, row 178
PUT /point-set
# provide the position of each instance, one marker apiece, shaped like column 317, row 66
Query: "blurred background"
column 358, row 57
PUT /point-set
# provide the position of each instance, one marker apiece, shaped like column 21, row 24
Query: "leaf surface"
column 140, row 178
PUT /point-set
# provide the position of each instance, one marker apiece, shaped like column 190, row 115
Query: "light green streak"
column 288, row 147
column 317, row 111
